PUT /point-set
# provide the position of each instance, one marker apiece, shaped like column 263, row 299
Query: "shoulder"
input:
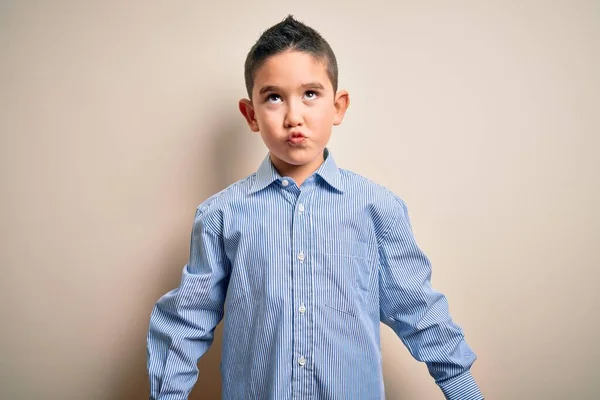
column 385, row 207
column 378, row 194
column 210, row 211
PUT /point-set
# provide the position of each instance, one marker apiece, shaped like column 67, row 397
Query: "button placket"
column 303, row 284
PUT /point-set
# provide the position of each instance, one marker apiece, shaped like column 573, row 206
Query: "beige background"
column 117, row 118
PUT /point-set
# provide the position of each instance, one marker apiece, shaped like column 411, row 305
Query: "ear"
column 247, row 110
column 341, row 103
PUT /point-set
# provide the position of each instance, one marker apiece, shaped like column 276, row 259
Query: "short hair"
column 289, row 34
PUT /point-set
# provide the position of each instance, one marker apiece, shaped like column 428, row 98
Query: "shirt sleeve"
column 183, row 321
column 418, row 314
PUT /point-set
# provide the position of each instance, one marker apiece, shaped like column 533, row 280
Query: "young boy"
column 302, row 258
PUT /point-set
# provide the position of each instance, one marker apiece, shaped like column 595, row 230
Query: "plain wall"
column 117, row 118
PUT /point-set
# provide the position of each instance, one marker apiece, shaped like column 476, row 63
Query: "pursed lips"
column 296, row 138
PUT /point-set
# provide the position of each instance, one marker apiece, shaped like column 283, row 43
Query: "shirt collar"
column 328, row 171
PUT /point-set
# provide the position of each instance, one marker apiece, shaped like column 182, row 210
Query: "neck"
column 298, row 173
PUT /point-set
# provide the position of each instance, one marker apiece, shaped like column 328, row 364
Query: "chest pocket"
column 348, row 273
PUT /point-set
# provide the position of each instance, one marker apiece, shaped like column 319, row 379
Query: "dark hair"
column 289, row 34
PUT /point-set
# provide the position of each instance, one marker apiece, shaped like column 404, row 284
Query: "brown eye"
column 311, row 95
column 273, row 98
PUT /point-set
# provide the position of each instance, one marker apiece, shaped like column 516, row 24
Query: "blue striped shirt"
column 303, row 276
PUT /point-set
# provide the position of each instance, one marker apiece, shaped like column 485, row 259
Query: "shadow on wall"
column 227, row 152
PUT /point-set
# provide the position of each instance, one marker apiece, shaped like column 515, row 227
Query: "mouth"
column 296, row 138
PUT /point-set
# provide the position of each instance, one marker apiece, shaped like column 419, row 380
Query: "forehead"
column 290, row 70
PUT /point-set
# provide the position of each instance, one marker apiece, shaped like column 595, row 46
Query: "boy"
column 303, row 259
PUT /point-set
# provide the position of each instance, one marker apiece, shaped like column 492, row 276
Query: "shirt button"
column 285, row 182
column 301, row 207
column 302, row 361
column 302, row 309
column 301, row 256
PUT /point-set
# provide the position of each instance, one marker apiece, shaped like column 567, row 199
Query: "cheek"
column 269, row 118
column 269, row 124
column 322, row 116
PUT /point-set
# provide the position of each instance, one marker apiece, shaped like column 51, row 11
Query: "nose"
column 293, row 116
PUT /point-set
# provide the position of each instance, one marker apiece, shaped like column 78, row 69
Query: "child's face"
column 294, row 108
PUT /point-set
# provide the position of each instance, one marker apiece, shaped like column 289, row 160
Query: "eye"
column 273, row 98
column 311, row 94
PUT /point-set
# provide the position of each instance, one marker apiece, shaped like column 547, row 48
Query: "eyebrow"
column 310, row 85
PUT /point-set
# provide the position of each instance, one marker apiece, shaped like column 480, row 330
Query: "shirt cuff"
column 461, row 387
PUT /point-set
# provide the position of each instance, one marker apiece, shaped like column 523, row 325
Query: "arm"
column 418, row 314
column 182, row 322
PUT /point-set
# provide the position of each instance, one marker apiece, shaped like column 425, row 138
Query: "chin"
column 294, row 159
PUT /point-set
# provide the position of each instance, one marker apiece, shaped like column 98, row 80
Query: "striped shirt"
column 303, row 276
